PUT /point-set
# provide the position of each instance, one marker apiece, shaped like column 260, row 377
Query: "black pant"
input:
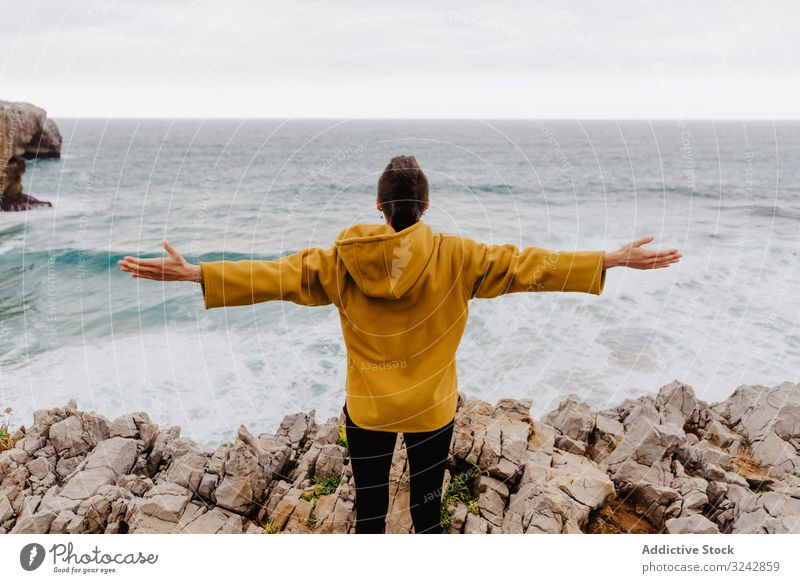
column 371, row 456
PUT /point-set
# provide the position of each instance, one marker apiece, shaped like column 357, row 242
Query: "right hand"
column 632, row 255
column 171, row 268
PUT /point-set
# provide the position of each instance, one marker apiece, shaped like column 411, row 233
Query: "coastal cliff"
column 668, row 463
column 25, row 133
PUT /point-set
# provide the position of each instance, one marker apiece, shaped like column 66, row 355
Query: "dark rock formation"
column 25, row 133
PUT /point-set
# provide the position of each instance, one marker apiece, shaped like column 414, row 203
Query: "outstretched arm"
column 304, row 277
column 491, row 270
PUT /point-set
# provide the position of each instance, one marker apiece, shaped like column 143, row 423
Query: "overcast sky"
column 540, row 59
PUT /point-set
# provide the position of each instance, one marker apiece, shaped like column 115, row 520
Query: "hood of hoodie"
column 385, row 263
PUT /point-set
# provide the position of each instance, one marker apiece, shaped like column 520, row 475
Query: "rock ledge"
column 668, row 463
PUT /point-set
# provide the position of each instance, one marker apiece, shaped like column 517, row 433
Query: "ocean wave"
column 14, row 229
column 492, row 188
column 96, row 261
column 679, row 190
column 769, row 211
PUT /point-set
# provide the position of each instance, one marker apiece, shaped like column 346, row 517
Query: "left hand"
column 171, row 268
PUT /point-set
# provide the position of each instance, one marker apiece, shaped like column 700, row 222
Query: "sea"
column 73, row 326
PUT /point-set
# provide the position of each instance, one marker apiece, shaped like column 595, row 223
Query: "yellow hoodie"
column 402, row 299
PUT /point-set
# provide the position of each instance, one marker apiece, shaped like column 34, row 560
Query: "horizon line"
column 572, row 119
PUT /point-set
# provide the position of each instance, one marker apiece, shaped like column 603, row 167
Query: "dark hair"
column 403, row 191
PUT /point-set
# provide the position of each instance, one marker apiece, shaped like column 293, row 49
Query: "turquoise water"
column 74, row 326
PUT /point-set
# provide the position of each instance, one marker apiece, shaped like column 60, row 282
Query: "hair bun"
column 403, row 191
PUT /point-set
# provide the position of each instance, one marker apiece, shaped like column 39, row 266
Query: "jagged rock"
column 32, row 442
column 702, row 454
column 541, row 438
column 492, row 497
column 324, row 510
column 187, row 469
column 255, row 529
column 40, row 467
column 247, row 469
column 13, row 486
column 135, row 426
column 285, row 508
column 719, row 434
column 748, row 410
column 343, row 516
column 542, row 508
column 297, row 427
column 677, row 404
column 458, row 517
column 66, row 466
column 570, row 445
column 68, row 437
column 61, row 522
column 330, row 461
column 29, row 505
column 327, row 433
column 573, row 418
column 117, row 453
column 304, row 469
column 631, row 410
column 658, row 503
column 693, row 492
column 166, row 501
column 695, row 524
column 536, row 466
column 160, row 442
column 178, row 447
column 580, row 478
column 93, row 514
column 298, row 521
column 776, row 455
column 86, row 483
column 16, row 455
column 682, row 463
column 519, row 409
column 49, row 146
column 136, row 485
column 25, row 133
column 77, row 434
column 768, row 419
column 278, row 451
column 278, row 492
column 208, row 484
column 608, row 432
column 514, row 433
column 37, row 523
column 475, row 524
column 44, row 418
column 6, row 510
column 770, row 512
column 641, row 453
column 102, row 467
column 469, row 430
column 494, row 439
column 216, row 462
column 197, row 519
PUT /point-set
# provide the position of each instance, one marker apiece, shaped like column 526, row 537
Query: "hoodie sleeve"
column 493, row 270
column 305, row 277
